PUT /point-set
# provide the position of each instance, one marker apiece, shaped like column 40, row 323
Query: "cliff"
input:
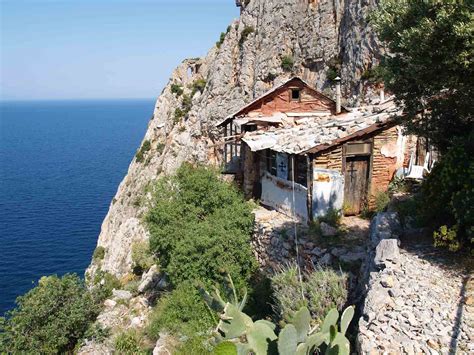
column 317, row 35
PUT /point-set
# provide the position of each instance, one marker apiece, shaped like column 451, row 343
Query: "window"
column 295, row 94
column 301, row 167
column 358, row 148
column 271, row 162
column 280, row 165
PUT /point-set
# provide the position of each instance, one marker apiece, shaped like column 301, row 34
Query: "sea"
column 60, row 165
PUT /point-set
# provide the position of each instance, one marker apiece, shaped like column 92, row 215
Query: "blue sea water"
column 60, row 165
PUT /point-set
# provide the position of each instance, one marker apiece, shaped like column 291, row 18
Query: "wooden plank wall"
column 382, row 167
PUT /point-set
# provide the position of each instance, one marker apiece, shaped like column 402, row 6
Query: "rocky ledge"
column 417, row 302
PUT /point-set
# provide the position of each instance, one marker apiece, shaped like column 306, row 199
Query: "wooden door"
column 356, row 182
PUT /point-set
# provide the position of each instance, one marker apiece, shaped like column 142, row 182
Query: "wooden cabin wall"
column 280, row 101
column 384, row 162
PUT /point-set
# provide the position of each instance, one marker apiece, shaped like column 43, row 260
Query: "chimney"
column 338, row 95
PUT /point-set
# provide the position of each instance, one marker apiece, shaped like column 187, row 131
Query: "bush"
column 198, row 85
column 447, row 238
column 104, row 283
column 50, row 318
column 201, row 227
column 447, row 195
column 323, row 289
column 382, row 199
column 176, row 89
column 146, row 146
column 332, row 217
column 181, row 312
column 287, row 63
column 128, row 343
column 99, row 253
column 142, row 257
column 248, row 30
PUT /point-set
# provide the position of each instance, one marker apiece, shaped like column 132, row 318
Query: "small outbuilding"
column 302, row 153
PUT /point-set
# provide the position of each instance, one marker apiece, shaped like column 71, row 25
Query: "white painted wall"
column 278, row 193
column 328, row 191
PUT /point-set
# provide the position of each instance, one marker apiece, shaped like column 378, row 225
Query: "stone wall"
column 418, row 298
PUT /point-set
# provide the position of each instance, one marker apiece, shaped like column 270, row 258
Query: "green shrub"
column 99, row 253
column 447, row 238
column 181, row 312
column 50, row 318
column 334, row 68
column 160, row 148
column 176, row 89
column 323, row 289
column 221, row 40
column 201, row 227
column 178, row 115
column 382, row 199
column 129, row 343
column 96, row 333
column 374, row 75
column 332, row 217
column 198, row 85
column 104, row 283
column 146, row 146
column 248, row 30
column 287, row 63
column 142, row 257
column 447, row 194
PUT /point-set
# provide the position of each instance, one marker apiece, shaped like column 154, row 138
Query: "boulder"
column 153, row 280
column 387, row 250
column 122, row 294
column 328, row 230
column 165, row 344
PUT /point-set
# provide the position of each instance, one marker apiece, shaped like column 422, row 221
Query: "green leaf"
column 330, row 319
column 301, row 321
column 332, row 333
column 259, row 336
column 287, row 340
column 225, row 348
column 235, row 323
column 346, row 318
column 267, row 323
column 315, row 340
column 302, row 349
column 243, row 349
column 342, row 344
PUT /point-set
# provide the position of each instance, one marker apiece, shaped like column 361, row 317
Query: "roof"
column 313, row 134
column 268, row 93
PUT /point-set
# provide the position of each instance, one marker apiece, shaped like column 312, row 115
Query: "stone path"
column 429, row 308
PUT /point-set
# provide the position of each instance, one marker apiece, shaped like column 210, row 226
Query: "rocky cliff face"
column 317, row 34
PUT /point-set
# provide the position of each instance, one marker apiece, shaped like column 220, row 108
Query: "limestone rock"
column 164, row 345
column 122, row 294
column 387, row 250
column 328, row 230
column 152, row 280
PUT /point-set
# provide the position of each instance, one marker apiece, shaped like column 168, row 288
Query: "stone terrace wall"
column 416, row 301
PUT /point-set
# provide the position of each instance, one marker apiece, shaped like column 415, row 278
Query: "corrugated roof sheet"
column 304, row 133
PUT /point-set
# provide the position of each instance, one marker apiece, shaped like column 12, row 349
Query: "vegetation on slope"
column 431, row 70
column 49, row 319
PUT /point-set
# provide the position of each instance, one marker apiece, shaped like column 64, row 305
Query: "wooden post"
column 225, row 145
column 309, row 184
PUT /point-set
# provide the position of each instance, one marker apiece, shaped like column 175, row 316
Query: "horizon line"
column 77, row 99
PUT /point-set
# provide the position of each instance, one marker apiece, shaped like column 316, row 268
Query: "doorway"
column 356, row 183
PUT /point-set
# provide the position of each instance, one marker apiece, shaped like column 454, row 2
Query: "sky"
column 100, row 49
